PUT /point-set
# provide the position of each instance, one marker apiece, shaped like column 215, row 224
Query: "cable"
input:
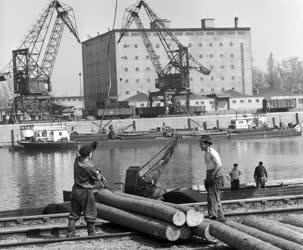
column 108, row 65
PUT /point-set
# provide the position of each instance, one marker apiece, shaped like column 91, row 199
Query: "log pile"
column 160, row 219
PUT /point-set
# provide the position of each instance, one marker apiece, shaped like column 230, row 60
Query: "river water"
column 31, row 179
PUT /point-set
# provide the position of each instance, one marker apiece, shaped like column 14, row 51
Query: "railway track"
column 51, row 228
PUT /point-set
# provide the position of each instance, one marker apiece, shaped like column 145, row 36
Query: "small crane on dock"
column 142, row 180
column 33, row 62
column 173, row 79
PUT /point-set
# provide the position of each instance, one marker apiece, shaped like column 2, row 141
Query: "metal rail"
column 56, row 240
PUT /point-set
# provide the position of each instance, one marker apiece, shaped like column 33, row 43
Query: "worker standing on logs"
column 214, row 179
column 87, row 180
column 260, row 175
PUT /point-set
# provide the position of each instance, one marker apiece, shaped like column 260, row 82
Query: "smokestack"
column 236, row 22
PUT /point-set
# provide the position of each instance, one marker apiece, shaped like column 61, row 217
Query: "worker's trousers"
column 213, row 195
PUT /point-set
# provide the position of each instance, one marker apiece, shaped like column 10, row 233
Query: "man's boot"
column 71, row 231
column 91, row 230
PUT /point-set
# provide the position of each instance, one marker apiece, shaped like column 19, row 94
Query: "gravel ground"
column 130, row 243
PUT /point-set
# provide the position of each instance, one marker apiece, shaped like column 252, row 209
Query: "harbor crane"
column 33, row 62
column 173, row 79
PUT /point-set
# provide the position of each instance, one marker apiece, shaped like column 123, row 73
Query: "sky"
column 276, row 26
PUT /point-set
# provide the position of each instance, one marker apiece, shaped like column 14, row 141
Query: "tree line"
column 286, row 75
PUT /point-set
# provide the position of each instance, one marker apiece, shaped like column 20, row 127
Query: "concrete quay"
column 177, row 122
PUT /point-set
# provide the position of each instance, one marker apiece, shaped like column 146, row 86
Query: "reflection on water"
column 30, row 179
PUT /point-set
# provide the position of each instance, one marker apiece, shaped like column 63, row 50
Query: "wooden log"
column 295, row 228
column 202, row 230
column 150, row 226
column 275, row 228
column 274, row 240
column 145, row 207
column 237, row 239
column 193, row 216
column 293, row 219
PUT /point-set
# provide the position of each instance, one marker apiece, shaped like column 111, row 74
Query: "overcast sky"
column 276, row 26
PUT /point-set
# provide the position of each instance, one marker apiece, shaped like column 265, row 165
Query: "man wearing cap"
column 214, row 178
column 86, row 180
column 260, row 175
column 235, row 177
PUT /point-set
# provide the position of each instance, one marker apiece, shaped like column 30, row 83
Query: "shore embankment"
column 176, row 122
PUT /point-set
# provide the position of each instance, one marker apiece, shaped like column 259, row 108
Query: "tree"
column 273, row 77
column 258, row 78
column 291, row 73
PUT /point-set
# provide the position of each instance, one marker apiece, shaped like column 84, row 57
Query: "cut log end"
column 194, row 218
column 179, row 219
column 208, row 236
column 172, row 234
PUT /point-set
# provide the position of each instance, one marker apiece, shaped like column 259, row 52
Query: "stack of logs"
column 173, row 221
column 160, row 219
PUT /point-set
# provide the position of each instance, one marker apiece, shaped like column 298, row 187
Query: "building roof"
column 231, row 93
column 268, row 92
column 140, row 97
column 193, row 96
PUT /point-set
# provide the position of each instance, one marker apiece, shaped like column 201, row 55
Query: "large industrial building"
column 225, row 51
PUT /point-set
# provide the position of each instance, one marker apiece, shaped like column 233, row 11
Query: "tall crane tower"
column 33, row 62
column 173, row 79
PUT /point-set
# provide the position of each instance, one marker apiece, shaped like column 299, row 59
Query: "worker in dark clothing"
column 260, row 175
column 86, row 181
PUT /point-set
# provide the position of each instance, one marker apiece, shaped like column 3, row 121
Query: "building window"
column 231, row 44
column 158, row 104
column 212, row 78
column 211, row 102
column 200, row 44
column 257, row 100
column 249, row 100
column 233, row 78
column 137, row 69
column 125, row 46
column 221, row 55
column 234, row 101
column 157, row 45
column 202, row 103
column 189, row 45
column 138, row 91
column 231, row 55
column 221, row 44
column 201, row 78
column 222, row 66
column 136, row 57
column 241, row 101
column 127, row 92
column 232, row 66
column 212, row 89
column 211, row 55
column 191, row 79
column 126, row 81
column 222, row 77
column 148, row 79
column 147, row 57
column 125, row 69
column 136, row 45
column 202, row 90
column 200, row 56
column 211, row 67
column 137, row 80
column 210, row 44
column 197, row 103
column 147, row 68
